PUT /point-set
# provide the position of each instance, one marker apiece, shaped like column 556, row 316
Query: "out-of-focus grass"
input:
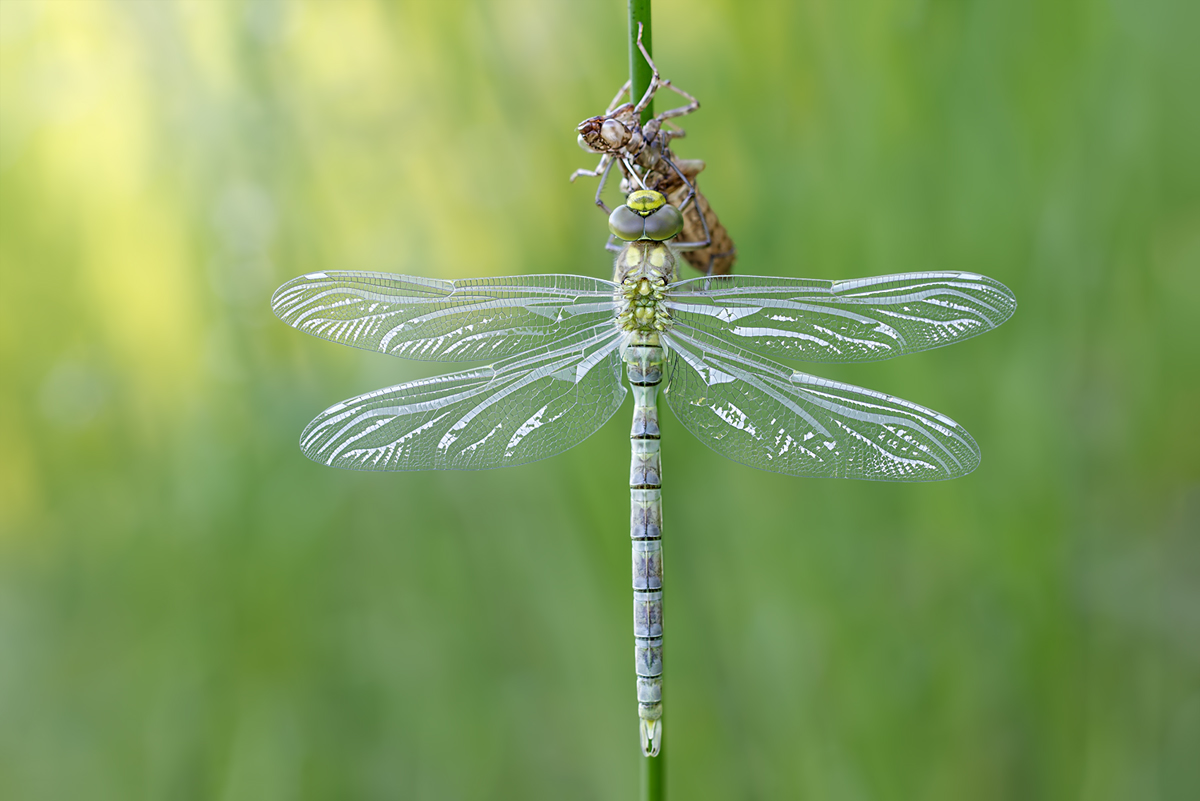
column 191, row 610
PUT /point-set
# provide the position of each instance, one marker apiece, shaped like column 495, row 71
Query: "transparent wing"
column 424, row 318
column 520, row 410
column 771, row 417
column 842, row 321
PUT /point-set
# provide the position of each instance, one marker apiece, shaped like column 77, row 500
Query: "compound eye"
column 664, row 224
column 626, row 224
column 613, row 132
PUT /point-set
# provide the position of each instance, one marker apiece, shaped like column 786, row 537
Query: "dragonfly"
column 558, row 344
column 646, row 160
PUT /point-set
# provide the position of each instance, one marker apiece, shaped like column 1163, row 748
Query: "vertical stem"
column 640, row 74
column 644, row 362
column 644, row 366
column 639, row 70
column 653, row 775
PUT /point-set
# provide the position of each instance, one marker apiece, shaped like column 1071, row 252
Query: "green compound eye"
column 664, row 224
column 626, row 224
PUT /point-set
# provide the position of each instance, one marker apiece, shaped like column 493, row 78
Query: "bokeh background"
column 189, row 609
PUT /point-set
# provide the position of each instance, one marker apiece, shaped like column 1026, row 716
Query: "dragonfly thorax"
column 643, row 270
column 644, row 267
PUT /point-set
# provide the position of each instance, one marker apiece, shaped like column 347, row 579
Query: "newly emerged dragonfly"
column 644, row 155
column 559, row 341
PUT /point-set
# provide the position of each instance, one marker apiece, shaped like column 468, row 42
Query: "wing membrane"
column 430, row 319
column 520, row 410
column 842, row 321
column 768, row 416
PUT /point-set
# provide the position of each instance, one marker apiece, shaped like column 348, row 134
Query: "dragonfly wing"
column 769, row 416
column 526, row 408
column 425, row 318
column 864, row 319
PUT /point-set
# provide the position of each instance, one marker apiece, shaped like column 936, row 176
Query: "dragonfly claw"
column 651, row 736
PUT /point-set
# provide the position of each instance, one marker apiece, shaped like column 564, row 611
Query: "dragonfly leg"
column 700, row 244
column 657, row 83
column 715, row 258
column 711, row 252
column 654, row 79
column 618, row 99
column 691, row 198
column 605, row 162
column 691, row 187
column 604, row 180
column 693, row 103
column 670, row 131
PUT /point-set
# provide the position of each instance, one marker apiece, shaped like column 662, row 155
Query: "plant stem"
column 640, row 74
column 639, row 70
column 654, row 775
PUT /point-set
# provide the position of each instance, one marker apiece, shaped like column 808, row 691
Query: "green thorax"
column 642, row 271
column 646, row 265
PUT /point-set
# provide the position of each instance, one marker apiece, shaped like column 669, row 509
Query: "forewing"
column 425, row 318
column 517, row 411
column 769, row 416
column 864, row 319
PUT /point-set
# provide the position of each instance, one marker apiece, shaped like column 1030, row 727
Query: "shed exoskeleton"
column 647, row 162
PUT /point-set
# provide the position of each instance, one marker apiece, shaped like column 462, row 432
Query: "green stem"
column 640, row 74
column 639, row 70
column 654, row 771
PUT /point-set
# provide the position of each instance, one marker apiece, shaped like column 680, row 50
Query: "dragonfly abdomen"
column 644, row 365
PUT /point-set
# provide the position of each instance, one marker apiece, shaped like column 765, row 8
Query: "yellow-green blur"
column 190, row 609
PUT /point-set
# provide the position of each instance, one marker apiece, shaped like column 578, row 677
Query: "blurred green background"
column 189, row 609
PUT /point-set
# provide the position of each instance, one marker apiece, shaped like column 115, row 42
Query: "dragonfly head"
column 645, row 215
column 611, row 133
